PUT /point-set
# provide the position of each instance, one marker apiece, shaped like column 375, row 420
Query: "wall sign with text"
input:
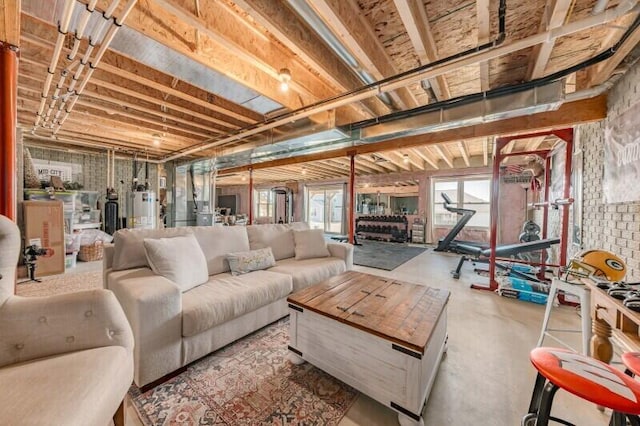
column 622, row 158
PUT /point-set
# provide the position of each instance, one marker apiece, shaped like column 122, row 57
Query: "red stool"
column 631, row 361
column 585, row 377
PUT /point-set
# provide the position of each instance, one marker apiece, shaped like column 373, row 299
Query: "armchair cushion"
column 35, row 327
column 178, row 259
column 76, row 389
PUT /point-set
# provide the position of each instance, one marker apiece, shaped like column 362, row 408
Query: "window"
column 264, row 203
column 465, row 192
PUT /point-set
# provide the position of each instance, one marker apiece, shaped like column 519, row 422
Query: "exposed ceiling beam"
column 484, row 31
column 415, row 160
column 569, row 114
column 10, row 22
column 395, row 159
column 439, row 149
column 285, row 25
column 464, row 152
column 352, row 28
column 415, row 20
column 214, row 41
column 535, row 143
column 599, row 73
column 420, row 153
column 555, row 14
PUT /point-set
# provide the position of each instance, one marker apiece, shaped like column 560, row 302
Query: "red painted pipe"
column 251, row 196
column 352, row 197
column 8, row 129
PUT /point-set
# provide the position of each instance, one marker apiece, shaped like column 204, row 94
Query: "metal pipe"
column 427, row 71
column 352, row 198
column 108, row 170
column 8, row 129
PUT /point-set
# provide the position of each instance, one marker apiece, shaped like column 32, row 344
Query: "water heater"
column 141, row 209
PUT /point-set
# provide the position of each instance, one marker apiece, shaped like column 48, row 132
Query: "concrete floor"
column 486, row 377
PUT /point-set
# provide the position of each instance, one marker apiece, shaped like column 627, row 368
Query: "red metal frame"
column 352, row 197
column 567, row 136
column 250, row 195
column 8, row 129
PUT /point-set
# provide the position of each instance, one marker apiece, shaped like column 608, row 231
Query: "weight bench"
column 508, row 250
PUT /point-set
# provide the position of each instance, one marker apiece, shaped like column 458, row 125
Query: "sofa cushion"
column 178, row 259
column 128, row 251
column 218, row 241
column 79, row 388
column 309, row 244
column 225, row 297
column 310, row 271
column 252, row 260
column 277, row 236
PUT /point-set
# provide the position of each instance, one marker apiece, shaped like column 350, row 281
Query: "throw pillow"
column 253, row 260
column 310, row 244
column 178, row 259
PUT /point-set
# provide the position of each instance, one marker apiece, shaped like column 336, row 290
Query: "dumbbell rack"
column 383, row 228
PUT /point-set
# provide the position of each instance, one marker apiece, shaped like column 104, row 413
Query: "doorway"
column 325, row 208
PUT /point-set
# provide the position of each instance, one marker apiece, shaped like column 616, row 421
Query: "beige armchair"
column 65, row 359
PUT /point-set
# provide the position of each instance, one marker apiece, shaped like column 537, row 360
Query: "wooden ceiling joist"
column 555, row 14
column 444, row 156
column 304, row 42
column 465, row 153
column 356, row 34
column 420, row 152
column 416, row 22
column 10, row 22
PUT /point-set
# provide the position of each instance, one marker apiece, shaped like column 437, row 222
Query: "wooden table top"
column 401, row 312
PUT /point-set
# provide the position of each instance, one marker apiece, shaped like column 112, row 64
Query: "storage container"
column 70, row 260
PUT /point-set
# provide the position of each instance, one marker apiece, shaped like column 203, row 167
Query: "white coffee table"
column 381, row 336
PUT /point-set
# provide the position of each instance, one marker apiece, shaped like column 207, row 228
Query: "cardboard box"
column 44, row 228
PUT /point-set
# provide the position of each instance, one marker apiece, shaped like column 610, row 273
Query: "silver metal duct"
column 543, row 98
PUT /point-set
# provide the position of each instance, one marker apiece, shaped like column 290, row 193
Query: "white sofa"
column 64, row 359
column 173, row 328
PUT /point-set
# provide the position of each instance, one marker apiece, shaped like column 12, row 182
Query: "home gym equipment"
column 449, row 243
column 504, row 251
column 384, row 228
column 283, row 205
column 500, row 154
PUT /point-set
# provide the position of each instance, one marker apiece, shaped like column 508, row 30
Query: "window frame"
column 270, row 204
column 460, row 203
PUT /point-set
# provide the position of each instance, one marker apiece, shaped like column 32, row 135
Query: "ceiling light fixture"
column 155, row 139
column 285, row 77
column 304, row 170
column 405, row 158
column 244, row 178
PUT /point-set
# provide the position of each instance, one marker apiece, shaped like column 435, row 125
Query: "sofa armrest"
column 343, row 251
column 107, row 262
column 36, row 327
column 153, row 306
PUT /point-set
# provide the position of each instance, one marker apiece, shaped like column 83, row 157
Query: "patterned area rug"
column 249, row 382
column 60, row 284
column 387, row 256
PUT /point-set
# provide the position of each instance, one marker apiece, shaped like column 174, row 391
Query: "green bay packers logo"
column 614, row 264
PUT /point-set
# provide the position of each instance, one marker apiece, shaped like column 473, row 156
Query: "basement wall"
column 612, row 227
column 93, row 175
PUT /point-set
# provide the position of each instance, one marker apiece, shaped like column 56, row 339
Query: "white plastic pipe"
column 86, row 14
column 94, row 63
column 64, row 26
column 609, row 15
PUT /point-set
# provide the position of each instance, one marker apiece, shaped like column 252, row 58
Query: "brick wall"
column 612, row 227
column 94, row 169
